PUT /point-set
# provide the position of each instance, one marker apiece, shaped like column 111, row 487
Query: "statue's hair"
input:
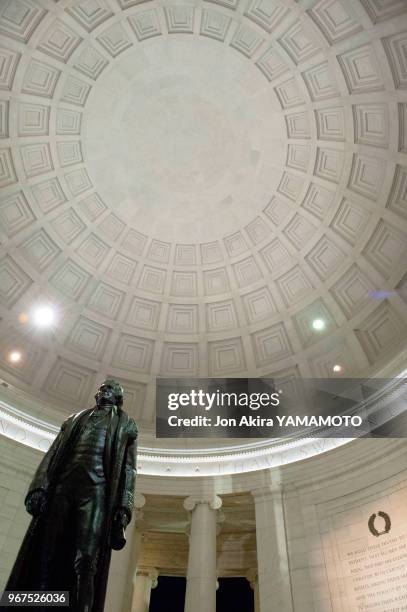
column 118, row 390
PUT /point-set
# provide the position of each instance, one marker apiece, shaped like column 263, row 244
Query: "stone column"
column 138, row 534
column 201, row 573
column 144, row 580
column 252, row 577
column 272, row 555
column 124, row 562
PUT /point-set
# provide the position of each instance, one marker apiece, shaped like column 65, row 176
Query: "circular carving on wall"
column 387, row 524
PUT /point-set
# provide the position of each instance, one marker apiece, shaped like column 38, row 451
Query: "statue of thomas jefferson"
column 81, row 499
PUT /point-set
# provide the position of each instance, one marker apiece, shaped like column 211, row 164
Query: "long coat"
column 120, row 470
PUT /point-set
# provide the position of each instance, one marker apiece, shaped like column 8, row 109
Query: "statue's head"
column 110, row 392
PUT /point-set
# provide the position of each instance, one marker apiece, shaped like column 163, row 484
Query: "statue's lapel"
column 78, row 425
column 122, row 420
column 110, row 438
column 74, row 426
column 79, row 420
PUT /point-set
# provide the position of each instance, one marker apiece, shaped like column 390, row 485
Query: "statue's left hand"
column 121, row 518
column 35, row 502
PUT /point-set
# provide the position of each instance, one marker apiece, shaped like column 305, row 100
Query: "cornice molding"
column 216, row 462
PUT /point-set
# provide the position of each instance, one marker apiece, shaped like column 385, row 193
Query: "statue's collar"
column 108, row 409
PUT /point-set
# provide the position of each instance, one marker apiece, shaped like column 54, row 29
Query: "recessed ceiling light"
column 44, row 316
column 318, row 324
column 14, row 356
column 380, row 294
column 23, row 318
column 337, row 368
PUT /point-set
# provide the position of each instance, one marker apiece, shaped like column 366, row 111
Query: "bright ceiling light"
column 44, row 316
column 337, row 368
column 318, row 324
column 14, row 356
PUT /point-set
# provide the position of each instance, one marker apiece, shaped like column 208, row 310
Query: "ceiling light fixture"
column 23, row 318
column 44, row 316
column 337, row 368
column 14, row 356
column 318, row 324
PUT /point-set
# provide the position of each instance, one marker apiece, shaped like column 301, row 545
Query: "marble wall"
column 17, row 466
column 336, row 563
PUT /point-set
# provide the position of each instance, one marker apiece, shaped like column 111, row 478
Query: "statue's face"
column 106, row 395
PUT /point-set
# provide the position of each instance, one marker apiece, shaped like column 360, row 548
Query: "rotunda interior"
column 209, row 188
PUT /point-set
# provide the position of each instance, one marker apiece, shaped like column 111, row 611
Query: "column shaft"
column 272, row 555
column 201, row 574
column 256, row 598
column 252, row 577
column 131, row 570
column 116, row 585
column 123, row 564
column 143, row 583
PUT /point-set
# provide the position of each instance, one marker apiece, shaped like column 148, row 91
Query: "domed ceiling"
column 191, row 185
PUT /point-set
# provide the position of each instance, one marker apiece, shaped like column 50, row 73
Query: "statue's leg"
column 85, row 568
column 56, row 514
column 90, row 522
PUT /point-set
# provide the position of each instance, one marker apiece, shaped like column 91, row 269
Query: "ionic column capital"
column 214, row 502
column 139, row 501
column 252, row 577
column 138, row 514
column 147, row 572
column 220, row 517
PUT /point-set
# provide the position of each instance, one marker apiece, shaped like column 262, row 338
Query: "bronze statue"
column 81, row 499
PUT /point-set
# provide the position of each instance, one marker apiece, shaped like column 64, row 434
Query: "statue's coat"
column 119, row 462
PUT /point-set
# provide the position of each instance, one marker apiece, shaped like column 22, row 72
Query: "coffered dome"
column 193, row 185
